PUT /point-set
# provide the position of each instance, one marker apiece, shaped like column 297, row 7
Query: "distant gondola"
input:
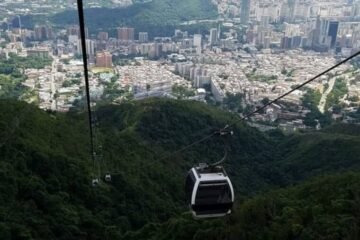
column 95, row 182
column 108, row 177
column 209, row 191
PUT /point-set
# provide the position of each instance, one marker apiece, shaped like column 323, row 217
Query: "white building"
column 143, row 37
column 198, row 41
column 213, row 36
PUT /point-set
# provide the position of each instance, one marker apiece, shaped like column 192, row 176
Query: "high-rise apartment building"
column 245, row 11
column 90, row 47
column 126, row 34
column 104, row 59
column 325, row 33
column 143, row 37
column 197, row 40
column 265, row 21
column 355, row 9
column 103, row 36
column 317, row 32
column 43, row 33
column 333, row 31
column 213, row 36
column 291, row 10
column 75, row 30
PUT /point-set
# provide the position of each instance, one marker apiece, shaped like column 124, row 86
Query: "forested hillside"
column 46, row 169
column 158, row 17
column 324, row 208
column 334, row 149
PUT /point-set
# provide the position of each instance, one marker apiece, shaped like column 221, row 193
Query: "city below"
column 253, row 52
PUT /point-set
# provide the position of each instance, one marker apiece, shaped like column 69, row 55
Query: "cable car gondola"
column 95, row 182
column 209, row 191
column 108, row 177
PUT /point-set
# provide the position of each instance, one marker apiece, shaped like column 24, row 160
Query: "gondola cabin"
column 108, row 178
column 95, row 182
column 209, row 192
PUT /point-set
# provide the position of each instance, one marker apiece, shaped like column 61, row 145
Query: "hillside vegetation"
column 324, row 208
column 46, row 169
column 334, row 149
column 158, row 17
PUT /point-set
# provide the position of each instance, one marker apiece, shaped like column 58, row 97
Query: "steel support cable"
column 80, row 8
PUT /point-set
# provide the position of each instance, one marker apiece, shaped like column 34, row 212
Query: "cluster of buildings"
column 51, row 87
column 258, row 49
column 197, row 74
column 150, row 79
column 289, row 24
column 287, row 10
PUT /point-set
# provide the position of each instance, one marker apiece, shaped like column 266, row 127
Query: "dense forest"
column 46, row 175
column 323, row 208
column 158, row 17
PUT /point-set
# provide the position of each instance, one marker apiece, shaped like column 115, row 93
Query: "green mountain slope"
column 336, row 148
column 46, row 171
column 157, row 17
column 160, row 127
column 324, row 208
